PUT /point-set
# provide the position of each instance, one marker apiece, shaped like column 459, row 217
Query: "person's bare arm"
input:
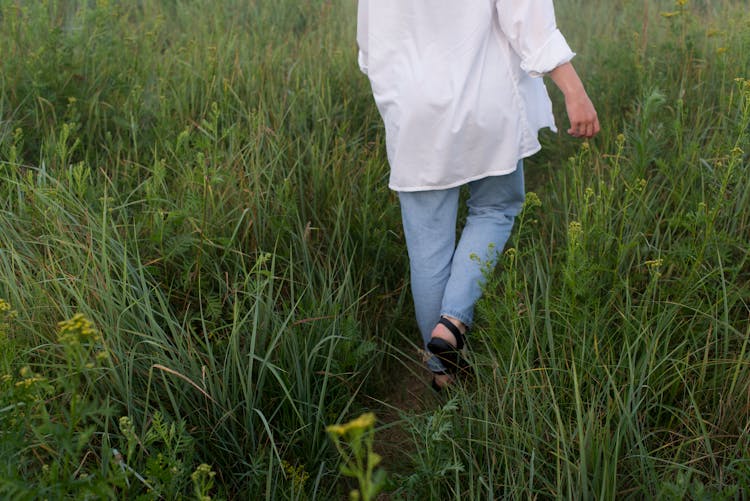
column 581, row 112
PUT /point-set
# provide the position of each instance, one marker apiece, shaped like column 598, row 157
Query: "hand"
column 581, row 112
column 582, row 115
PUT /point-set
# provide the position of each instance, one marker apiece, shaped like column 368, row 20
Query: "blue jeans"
column 447, row 279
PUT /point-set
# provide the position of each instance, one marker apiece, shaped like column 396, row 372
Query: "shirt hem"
column 463, row 181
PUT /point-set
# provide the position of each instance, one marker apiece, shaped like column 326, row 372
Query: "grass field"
column 201, row 266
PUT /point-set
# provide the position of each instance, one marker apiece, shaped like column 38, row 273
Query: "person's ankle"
column 443, row 380
column 461, row 327
column 442, row 332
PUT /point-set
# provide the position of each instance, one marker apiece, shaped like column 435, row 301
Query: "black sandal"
column 448, row 354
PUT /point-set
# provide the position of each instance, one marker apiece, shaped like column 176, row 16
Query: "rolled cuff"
column 551, row 55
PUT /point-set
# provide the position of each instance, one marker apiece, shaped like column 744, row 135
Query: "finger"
column 593, row 128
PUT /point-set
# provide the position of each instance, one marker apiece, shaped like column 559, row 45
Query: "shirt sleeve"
column 363, row 8
column 530, row 27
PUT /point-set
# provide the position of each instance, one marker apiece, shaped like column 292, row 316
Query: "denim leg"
column 429, row 219
column 493, row 204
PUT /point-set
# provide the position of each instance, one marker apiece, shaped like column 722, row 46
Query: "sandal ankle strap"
column 454, row 330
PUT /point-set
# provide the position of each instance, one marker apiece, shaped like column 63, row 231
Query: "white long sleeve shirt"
column 457, row 84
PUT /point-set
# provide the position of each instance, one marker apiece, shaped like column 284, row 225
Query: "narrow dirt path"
column 406, row 392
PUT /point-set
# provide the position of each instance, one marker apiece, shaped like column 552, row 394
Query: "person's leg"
column 429, row 219
column 493, row 204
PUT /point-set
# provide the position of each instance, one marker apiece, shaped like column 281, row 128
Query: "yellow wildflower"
column 363, row 422
column 6, row 315
column 336, row 429
column 575, row 230
column 532, row 201
column 654, row 263
column 77, row 330
column 29, row 382
column 126, row 426
column 203, row 469
column 297, row 474
column 203, row 480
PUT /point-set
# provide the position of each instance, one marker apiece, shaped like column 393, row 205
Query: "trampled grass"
column 205, row 183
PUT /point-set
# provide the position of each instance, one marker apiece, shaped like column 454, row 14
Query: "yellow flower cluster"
column 6, row 314
column 678, row 3
column 638, row 187
column 532, row 201
column 298, row 475
column 203, row 470
column 203, row 480
column 654, row 263
column 363, row 422
column 575, row 231
column 77, row 330
column 30, row 379
column 30, row 382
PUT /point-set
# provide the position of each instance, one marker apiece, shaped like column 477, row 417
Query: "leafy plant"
column 360, row 461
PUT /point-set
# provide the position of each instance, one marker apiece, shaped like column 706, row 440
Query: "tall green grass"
column 206, row 182
column 197, row 179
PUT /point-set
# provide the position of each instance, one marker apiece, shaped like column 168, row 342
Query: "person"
column 458, row 86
